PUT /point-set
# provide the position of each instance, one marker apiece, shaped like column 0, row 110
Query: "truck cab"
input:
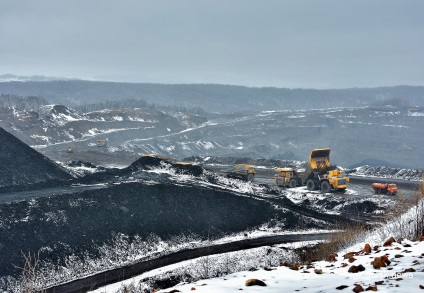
column 287, row 177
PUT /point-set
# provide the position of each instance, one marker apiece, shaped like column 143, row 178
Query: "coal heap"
column 23, row 166
column 151, row 162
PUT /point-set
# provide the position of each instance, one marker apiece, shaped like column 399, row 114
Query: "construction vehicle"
column 101, row 142
column 243, row 171
column 321, row 175
column 384, row 188
column 287, row 177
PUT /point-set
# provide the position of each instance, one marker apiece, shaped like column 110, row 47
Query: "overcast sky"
column 299, row 43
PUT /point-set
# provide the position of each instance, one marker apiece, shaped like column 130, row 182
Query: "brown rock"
column 421, row 287
column 407, row 245
column 360, row 268
column 385, row 259
column 378, row 263
column 255, row 282
column 344, row 265
column 367, row 248
column 342, row 287
column 400, row 239
column 371, row 288
column 349, row 255
column 352, row 259
column 379, row 282
column 410, row 270
column 192, row 289
column 389, row 241
column 174, row 291
column 353, row 269
column 358, row 288
column 421, row 238
column 332, row 257
column 398, row 255
column 318, row 271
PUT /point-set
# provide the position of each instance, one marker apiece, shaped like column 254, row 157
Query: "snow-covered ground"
column 405, row 273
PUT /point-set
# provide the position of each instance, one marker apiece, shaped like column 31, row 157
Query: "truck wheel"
column 376, row 190
column 292, row 183
column 325, row 186
column 250, row 177
column 310, row 185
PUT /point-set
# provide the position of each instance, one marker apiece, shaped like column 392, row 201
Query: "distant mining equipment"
column 101, row 142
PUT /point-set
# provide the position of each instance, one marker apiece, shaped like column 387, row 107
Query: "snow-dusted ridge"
column 389, row 173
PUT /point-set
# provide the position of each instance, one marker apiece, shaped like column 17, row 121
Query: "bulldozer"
column 321, row 175
column 287, row 177
column 243, row 171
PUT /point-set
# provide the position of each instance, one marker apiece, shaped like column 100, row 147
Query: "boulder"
column 378, row 263
column 385, row 259
column 353, row 269
column 358, row 288
column 349, row 255
column 389, row 241
column 332, row 257
column 367, row 248
column 255, row 282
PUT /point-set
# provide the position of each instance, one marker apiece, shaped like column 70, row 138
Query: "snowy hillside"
column 403, row 273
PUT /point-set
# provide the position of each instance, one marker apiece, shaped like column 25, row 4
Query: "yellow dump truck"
column 243, row 171
column 287, row 177
column 321, row 175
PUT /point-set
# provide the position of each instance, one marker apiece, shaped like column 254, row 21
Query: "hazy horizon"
column 326, row 44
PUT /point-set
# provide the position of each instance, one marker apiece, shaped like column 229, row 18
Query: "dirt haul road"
column 359, row 186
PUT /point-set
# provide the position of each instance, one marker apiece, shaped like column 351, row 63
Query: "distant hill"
column 213, row 97
column 22, row 165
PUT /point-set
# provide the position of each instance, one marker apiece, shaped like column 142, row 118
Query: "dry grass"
column 29, row 279
column 350, row 233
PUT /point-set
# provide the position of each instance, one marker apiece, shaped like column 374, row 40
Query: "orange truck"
column 384, row 188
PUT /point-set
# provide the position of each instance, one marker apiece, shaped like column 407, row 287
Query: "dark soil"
column 75, row 223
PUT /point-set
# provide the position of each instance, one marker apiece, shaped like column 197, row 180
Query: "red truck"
column 384, row 188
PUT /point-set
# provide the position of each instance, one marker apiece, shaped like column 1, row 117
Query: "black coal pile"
column 154, row 162
column 387, row 172
column 60, row 226
column 271, row 163
column 22, row 166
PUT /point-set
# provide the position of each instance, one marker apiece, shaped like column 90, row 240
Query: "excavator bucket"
column 320, row 159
